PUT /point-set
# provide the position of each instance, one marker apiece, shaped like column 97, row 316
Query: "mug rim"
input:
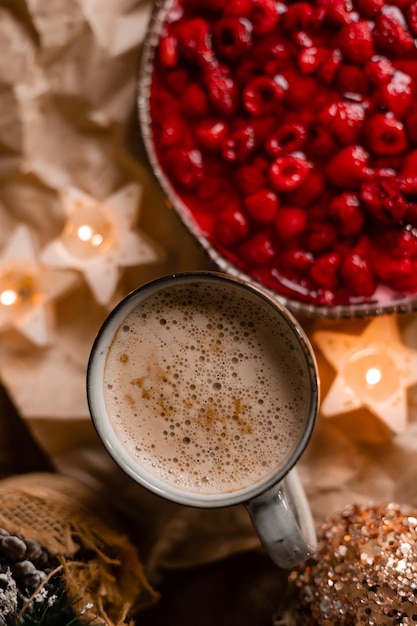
column 102, row 421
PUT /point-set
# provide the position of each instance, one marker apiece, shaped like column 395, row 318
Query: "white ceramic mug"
column 204, row 389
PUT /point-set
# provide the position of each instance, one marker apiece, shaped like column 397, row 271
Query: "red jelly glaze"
column 289, row 131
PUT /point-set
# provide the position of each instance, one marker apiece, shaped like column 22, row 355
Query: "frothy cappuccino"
column 207, row 387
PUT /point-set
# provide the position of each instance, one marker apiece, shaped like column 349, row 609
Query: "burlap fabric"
column 71, row 521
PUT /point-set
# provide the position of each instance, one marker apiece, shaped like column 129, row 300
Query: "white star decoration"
column 98, row 239
column 372, row 370
column 27, row 288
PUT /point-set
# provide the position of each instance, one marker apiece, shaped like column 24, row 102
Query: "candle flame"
column 18, row 287
column 86, row 233
column 8, row 297
column 373, row 376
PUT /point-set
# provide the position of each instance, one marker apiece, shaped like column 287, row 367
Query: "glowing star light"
column 372, row 370
column 27, row 289
column 98, row 239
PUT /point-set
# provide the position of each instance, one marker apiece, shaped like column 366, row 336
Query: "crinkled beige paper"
column 67, row 111
column 68, row 73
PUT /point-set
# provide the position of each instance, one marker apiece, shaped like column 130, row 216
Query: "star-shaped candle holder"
column 27, row 289
column 98, row 239
column 373, row 370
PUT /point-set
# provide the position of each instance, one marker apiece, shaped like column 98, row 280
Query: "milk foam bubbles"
column 207, row 387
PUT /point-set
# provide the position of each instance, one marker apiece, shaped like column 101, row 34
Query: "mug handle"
column 284, row 523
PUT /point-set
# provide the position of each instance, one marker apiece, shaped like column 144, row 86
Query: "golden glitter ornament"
column 364, row 570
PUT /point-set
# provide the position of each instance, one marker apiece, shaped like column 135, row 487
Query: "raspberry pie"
column 286, row 134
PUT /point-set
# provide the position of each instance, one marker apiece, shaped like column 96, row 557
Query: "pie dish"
column 284, row 135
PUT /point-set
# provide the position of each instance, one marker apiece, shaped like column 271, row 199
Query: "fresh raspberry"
column 231, row 226
column 408, row 174
column 232, row 37
column 390, row 33
column 369, row 8
column 408, row 65
column 300, row 88
column 412, row 18
column 221, row 88
column 238, row 8
column 264, row 16
column 185, row 167
column 403, row 4
column 262, row 95
column 337, row 12
column 210, row 133
column 177, row 80
column 261, row 163
column 385, row 135
column 238, row 145
column 216, row 192
column 383, row 199
column 290, row 223
column 194, row 40
column 347, row 213
column 325, row 270
column 396, row 94
column 330, row 61
column 274, row 52
column 286, row 138
column 246, row 70
column 303, row 17
column 400, row 242
column 264, row 126
column 410, row 123
column 348, row 167
column 410, row 217
column 320, row 142
column 355, row 40
column 363, row 245
column 327, row 297
column 407, row 280
column 309, row 59
column 351, row 78
column 409, row 165
column 301, row 39
column 296, row 259
column 310, row 191
column 379, row 70
column 249, row 179
column 386, row 164
column 321, row 237
column 258, row 250
column 194, row 101
column 288, row 172
column 344, row 120
column 262, row 206
column 168, row 51
column 357, row 273
column 398, row 273
column 169, row 130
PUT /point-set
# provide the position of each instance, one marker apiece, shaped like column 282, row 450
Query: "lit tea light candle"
column 18, row 287
column 98, row 239
column 27, row 289
column 88, row 232
column 8, row 297
column 373, row 370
